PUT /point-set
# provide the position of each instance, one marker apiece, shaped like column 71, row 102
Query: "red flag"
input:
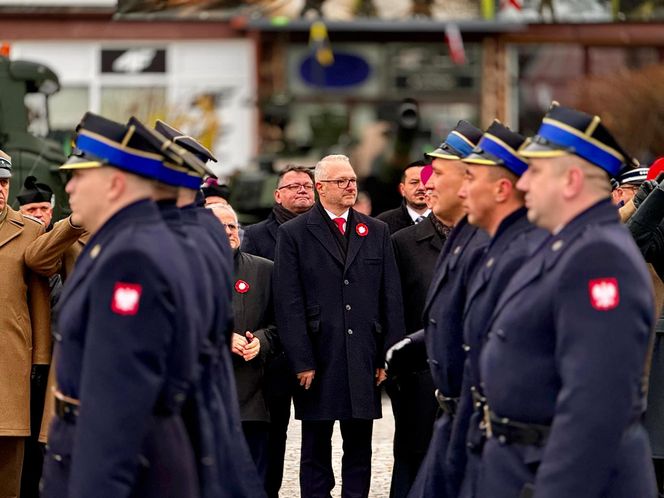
column 513, row 3
column 455, row 44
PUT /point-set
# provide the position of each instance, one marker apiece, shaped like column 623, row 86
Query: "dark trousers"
column 11, row 462
column 256, row 434
column 316, row 475
column 279, row 405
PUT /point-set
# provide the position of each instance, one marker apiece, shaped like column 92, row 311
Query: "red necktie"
column 340, row 224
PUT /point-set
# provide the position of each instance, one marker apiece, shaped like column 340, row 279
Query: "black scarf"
column 281, row 214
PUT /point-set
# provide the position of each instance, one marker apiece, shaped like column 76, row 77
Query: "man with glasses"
column 414, row 207
column 294, row 195
column 253, row 337
column 338, row 307
column 626, row 184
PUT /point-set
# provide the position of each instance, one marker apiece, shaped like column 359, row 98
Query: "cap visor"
column 78, row 163
column 534, row 149
column 442, row 154
column 480, row 159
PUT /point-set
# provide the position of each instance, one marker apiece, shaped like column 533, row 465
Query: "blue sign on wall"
column 348, row 70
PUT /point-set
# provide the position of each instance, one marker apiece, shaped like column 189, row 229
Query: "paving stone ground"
column 382, row 461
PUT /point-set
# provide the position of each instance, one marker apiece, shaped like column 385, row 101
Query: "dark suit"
column 416, row 249
column 338, row 307
column 261, row 239
column 566, row 349
column 397, row 218
column 443, row 334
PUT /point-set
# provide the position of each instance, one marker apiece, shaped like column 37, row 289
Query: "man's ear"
column 117, row 184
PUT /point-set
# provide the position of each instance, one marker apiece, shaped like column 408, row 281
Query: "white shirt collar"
column 414, row 214
column 343, row 215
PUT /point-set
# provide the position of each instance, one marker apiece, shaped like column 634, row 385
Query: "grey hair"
column 223, row 207
column 321, row 166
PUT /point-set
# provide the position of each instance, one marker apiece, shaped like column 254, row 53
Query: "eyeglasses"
column 230, row 226
column 295, row 187
column 342, row 182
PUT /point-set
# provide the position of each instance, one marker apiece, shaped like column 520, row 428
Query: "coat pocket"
column 313, row 320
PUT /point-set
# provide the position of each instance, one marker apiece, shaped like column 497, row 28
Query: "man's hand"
column 252, row 348
column 238, row 344
column 395, row 358
column 381, row 376
column 306, row 378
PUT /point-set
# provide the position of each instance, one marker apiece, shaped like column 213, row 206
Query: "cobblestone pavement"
column 381, row 471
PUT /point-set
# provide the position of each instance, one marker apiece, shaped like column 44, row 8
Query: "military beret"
column 34, row 191
column 565, row 131
column 458, row 143
column 498, row 147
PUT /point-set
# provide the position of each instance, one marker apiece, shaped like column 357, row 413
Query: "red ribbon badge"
column 362, row 230
column 241, row 286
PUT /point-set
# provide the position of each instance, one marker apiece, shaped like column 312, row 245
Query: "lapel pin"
column 362, row 230
column 241, row 286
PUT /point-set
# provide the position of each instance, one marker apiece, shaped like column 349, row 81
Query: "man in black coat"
column 413, row 209
column 254, row 336
column 294, row 195
column 416, row 249
column 338, row 307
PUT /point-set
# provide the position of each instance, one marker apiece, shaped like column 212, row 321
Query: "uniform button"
column 489, row 263
column 57, row 457
column 457, row 249
column 58, row 337
column 350, row 331
column 501, row 334
column 557, row 245
column 432, row 321
column 346, row 282
column 348, row 308
column 466, row 347
column 502, row 439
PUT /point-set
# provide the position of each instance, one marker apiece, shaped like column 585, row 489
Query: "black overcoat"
column 337, row 315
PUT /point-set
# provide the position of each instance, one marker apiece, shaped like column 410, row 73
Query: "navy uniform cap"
column 212, row 187
column 185, row 141
column 181, row 168
column 101, row 142
column 459, row 143
column 498, row 147
column 567, row 131
column 33, row 191
column 632, row 176
column 5, row 166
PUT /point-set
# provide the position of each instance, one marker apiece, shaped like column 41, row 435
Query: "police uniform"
column 126, row 354
column 563, row 364
column 515, row 239
column 224, row 457
column 443, row 311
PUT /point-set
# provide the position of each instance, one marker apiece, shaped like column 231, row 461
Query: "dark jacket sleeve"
column 392, row 302
column 289, row 304
column 647, row 230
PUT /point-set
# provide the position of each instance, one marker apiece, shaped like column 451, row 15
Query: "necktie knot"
column 340, row 224
column 419, row 219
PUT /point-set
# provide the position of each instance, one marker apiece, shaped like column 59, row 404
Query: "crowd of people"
column 151, row 346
